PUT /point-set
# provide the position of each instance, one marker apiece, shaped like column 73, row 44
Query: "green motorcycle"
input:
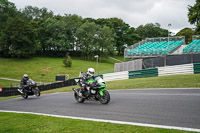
column 95, row 90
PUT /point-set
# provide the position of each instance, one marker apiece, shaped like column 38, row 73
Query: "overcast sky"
column 133, row 12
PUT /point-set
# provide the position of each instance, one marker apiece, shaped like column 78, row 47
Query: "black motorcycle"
column 29, row 89
column 95, row 90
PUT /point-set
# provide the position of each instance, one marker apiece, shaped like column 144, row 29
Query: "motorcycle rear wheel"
column 105, row 98
column 37, row 92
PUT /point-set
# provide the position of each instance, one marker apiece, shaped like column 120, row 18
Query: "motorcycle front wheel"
column 105, row 98
column 24, row 95
column 78, row 98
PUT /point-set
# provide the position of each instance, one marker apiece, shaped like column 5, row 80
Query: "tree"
column 94, row 39
column 187, row 32
column 124, row 32
column 18, row 38
column 105, row 41
column 86, row 35
column 7, row 9
column 120, row 31
column 72, row 22
column 54, row 36
column 194, row 15
column 132, row 37
column 67, row 61
column 35, row 13
column 151, row 30
column 37, row 16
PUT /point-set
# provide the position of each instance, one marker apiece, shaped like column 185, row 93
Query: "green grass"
column 28, row 123
column 121, row 58
column 10, row 97
column 35, row 67
column 174, row 81
column 6, row 83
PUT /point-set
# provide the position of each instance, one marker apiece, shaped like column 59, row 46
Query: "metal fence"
column 129, row 66
column 170, row 60
column 152, row 62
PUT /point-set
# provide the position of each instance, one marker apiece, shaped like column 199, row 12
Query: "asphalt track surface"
column 170, row 107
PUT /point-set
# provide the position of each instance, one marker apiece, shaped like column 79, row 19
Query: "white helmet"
column 91, row 71
column 25, row 75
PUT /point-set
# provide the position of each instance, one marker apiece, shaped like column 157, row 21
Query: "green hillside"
column 35, row 68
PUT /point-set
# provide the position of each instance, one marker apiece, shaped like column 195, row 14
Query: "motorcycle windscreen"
column 30, row 82
column 101, row 82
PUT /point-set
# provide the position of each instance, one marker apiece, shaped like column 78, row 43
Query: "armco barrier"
column 176, row 70
column 115, row 76
column 149, row 72
column 196, row 68
column 9, row 91
column 13, row 91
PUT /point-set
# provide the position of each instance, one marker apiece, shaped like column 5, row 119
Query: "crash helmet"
column 91, row 71
column 25, row 76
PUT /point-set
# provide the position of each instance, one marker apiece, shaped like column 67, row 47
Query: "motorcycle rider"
column 24, row 81
column 89, row 74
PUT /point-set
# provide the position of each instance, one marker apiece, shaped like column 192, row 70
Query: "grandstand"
column 194, row 46
column 154, row 47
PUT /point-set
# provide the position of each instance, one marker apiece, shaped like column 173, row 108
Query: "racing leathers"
column 84, row 84
column 24, row 83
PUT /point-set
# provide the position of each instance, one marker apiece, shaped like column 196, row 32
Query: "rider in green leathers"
column 89, row 74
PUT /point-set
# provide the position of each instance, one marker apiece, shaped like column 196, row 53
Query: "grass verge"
column 23, row 123
column 173, row 81
column 10, row 97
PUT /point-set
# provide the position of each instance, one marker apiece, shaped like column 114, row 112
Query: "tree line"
column 37, row 31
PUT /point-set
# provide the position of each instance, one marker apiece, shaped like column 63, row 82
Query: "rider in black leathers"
column 24, row 82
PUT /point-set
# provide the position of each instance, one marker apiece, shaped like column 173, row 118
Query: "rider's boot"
column 81, row 91
column 22, row 90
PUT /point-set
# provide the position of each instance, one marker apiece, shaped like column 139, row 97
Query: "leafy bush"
column 67, row 61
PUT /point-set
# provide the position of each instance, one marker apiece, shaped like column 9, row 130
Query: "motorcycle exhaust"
column 20, row 91
column 77, row 93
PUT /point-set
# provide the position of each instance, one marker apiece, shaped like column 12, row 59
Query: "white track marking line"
column 110, row 121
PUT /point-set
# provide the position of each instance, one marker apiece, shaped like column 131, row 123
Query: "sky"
column 132, row 12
